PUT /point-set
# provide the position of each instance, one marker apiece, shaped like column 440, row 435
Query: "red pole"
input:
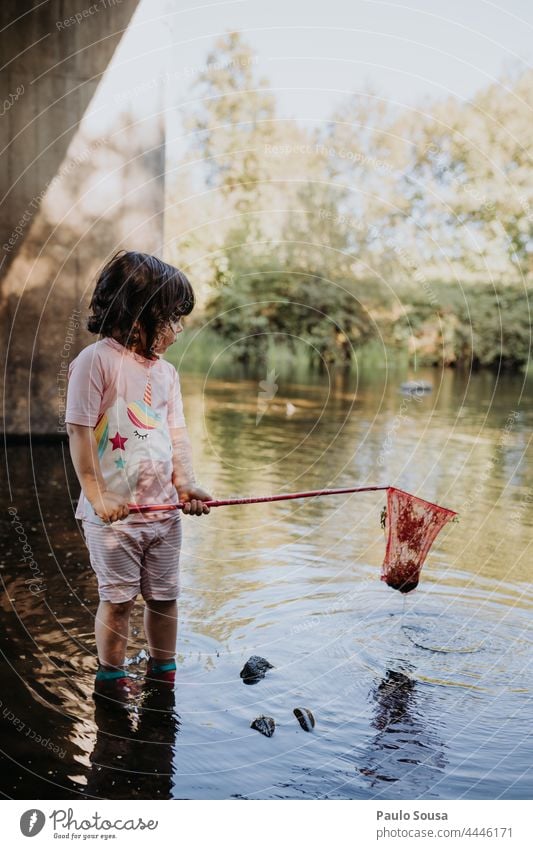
column 148, row 508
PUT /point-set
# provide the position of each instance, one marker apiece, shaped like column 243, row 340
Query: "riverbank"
column 438, row 325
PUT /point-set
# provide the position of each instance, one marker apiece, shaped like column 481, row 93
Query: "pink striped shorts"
column 136, row 557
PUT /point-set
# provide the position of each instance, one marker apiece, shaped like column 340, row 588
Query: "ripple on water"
column 432, row 638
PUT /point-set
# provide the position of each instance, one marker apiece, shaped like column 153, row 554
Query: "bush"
column 262, row 308
column 467, row 326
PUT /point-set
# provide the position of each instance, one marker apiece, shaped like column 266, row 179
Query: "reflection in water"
column 132, row 756
column 404, row 744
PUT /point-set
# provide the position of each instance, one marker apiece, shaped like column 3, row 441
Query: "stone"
column 255, row 669
column 265, row 725
column 305, row 718
column 415, row 387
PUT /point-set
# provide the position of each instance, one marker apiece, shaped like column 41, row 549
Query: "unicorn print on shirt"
column 134, row 448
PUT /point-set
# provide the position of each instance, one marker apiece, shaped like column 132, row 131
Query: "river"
column 427, row 695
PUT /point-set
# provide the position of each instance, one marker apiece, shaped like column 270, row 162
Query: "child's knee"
column 120, row 608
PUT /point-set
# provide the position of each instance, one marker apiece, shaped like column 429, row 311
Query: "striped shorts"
column 135, row 557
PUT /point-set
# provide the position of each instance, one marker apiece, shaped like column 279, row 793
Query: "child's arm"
column 183, row 474
column 83, row 450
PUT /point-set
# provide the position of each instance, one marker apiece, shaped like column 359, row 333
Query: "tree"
column 319, row 234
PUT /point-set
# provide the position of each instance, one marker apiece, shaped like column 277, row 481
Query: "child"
column 129, row 444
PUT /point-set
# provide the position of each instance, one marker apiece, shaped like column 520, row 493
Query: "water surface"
column 424, row 696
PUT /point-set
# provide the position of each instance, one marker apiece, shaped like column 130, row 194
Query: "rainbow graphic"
column 101, row 433
column 141, row 412
column 142, row 415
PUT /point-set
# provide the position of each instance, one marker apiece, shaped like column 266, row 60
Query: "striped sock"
column 109, row 673
column 159, row 666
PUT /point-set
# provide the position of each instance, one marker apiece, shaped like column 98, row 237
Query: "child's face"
column 167, row 335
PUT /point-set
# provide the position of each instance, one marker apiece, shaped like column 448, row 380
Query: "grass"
column 202, row 351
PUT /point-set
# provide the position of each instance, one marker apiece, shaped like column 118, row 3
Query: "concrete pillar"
column 83, row 176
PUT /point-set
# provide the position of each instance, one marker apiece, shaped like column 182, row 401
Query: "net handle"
column 149, row 508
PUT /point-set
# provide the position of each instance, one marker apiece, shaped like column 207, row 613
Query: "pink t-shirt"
column 130, row 402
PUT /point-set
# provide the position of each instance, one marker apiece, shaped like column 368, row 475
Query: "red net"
column 411, row 524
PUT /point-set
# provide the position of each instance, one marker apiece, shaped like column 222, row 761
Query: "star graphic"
column 118, row 441
column 120, row 463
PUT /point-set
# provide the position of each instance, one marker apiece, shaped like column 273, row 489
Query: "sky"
column 314, row 51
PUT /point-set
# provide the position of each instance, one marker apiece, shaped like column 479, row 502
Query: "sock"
column 158, row 666
column 108, row 673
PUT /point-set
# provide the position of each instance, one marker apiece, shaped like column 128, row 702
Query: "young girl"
column 129, row 444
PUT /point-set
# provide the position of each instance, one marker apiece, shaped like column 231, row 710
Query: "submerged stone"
column 305, row 718
column 255, row 669
column 265, row 725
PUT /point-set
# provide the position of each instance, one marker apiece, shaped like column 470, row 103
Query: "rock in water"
column 264, row 724
column 305, row 718
column 416, row 387
column 254, row 669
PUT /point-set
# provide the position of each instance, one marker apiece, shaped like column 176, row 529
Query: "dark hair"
column 136, row 287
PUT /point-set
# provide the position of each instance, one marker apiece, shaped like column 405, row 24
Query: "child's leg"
column 111, row 631
column 160, row 580
column 116, row 557
column 161, row 628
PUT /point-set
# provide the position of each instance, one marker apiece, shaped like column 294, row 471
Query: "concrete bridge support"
column 82, row 168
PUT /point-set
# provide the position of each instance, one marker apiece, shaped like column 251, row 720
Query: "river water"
column 424, row 696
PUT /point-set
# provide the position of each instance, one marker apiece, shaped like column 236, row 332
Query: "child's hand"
column 109, row 506
column 194, row 497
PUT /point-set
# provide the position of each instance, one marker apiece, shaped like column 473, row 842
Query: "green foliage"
column 380, row 229
column 467, row 326
column 270, row 304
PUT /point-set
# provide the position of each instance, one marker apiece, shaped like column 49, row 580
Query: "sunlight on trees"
column 413, row 227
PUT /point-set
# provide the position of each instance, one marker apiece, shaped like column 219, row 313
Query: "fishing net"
column 411, row 525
